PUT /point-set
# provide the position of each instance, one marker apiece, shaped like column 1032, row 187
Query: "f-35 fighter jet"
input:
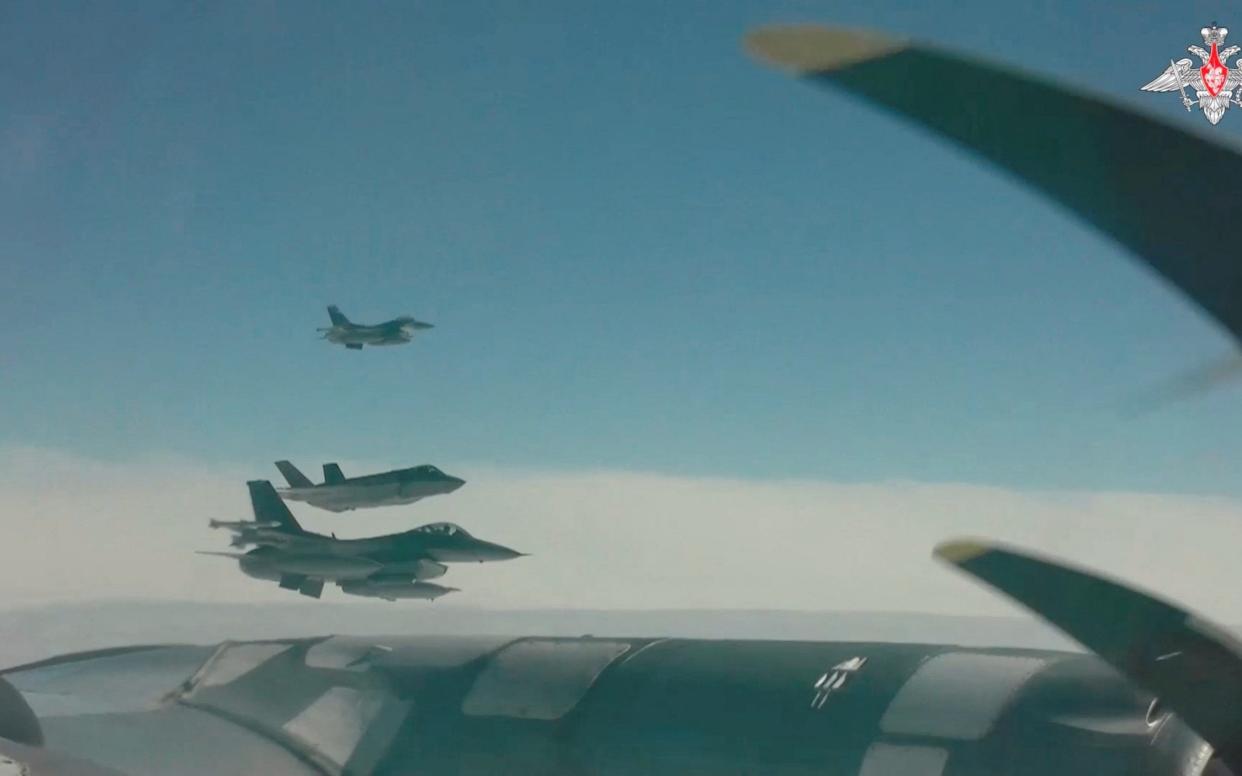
column 338, row 493
column 389, row 567
column 398, row 331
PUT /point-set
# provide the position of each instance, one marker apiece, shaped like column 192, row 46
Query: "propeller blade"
column 1192, row 666
column 1137, row 179
column 1189, row 385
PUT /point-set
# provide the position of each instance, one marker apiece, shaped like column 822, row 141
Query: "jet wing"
column 22, row 760
column 1192, row 666
column 1153, row 187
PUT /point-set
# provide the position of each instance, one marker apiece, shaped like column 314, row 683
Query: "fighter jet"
column 398, row 331
column 338, row 493
column 389, row 567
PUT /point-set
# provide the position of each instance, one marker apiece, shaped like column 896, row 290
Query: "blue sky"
column 641, row 250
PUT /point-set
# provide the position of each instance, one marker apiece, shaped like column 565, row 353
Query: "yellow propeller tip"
column 809, row 48
column 959, row 551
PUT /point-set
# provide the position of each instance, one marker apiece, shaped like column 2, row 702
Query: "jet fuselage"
column 403, row 486
column 416, row 555
column 352, row 335
column 395, row 332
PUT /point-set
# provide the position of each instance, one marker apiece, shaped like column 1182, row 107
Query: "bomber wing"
column 22, row 751
column 24, row 760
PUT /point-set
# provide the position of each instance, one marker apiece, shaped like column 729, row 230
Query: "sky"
column 646, row 256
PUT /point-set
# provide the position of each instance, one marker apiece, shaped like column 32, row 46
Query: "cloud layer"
column 81, row 529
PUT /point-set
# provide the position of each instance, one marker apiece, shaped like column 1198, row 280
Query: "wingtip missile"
column 218, row 554
column 243, row 525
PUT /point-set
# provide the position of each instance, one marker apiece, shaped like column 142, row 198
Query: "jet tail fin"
column 338, row 317
column 295, row 478
column 268, row 508
column 332, row 474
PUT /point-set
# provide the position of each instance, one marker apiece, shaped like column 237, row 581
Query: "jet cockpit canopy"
column 442, row 529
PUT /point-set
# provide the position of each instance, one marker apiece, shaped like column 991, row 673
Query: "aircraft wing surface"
column 599, row 706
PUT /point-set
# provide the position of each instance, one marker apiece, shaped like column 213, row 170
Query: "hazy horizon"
column 615, row 540
column 43, row 631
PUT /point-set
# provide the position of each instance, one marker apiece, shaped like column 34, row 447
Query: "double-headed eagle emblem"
column 1214, row 84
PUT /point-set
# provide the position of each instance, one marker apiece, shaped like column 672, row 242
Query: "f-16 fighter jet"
column 398, row 331
column 389, row 567
column 338, row 493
